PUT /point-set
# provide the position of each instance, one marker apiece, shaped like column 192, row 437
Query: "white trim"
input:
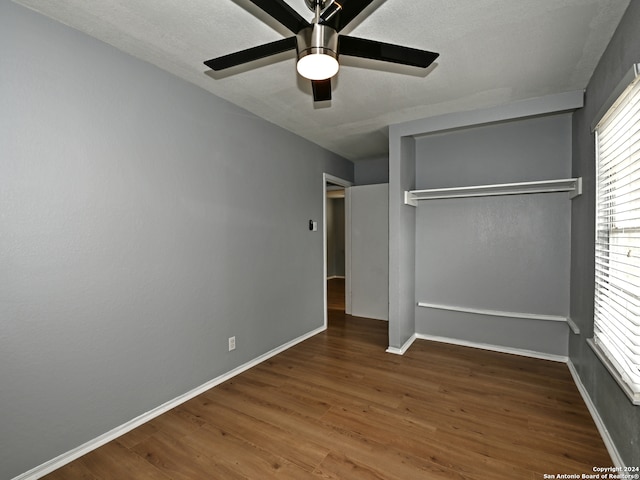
column 624, row 83
column 633, row 397
column 347, row 251
column 573, row 326
column 337, row 180
column 495, row 348
column 87, row 447
column 602, row 429
column 571, row 185
column 410, row 198
column 494, row 313
column 577, row 191
column 403, row 348
column 333, row 277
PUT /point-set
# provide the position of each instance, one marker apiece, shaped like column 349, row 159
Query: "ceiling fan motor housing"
column 317, row 39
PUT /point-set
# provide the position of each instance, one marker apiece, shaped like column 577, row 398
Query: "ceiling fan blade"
column 251, row 54
column 349, row 9
column 283, row 13
column 386, row 52
column 321, row 90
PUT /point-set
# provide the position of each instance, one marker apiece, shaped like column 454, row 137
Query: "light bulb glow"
column 317, row 66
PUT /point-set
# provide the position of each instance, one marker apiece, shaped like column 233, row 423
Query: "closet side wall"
column 508, row 254
column 370, row 251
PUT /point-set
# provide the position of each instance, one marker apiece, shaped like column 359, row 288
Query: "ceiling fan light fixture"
column 318, row 44
column 318, row 66
column 317, row 47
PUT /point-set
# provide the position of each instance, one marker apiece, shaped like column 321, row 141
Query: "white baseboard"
column 77, row 452
column 602, row 429
column 403, row 348
column 495, row 348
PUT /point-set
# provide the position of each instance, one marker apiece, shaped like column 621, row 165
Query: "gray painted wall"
column 507, row 253
column 402, row 239
column 144, row 221
column 517, row 150
column 335, row 237
column 621, row 418
column 372, row 171
column 370, row 251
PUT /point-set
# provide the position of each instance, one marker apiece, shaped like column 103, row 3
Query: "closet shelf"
column 571, row 185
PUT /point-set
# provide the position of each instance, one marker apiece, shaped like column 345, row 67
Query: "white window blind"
column 617, row 275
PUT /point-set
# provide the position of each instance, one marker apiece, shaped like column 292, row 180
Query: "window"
column 617, row 253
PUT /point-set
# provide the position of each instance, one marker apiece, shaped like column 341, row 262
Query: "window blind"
column 617, row 252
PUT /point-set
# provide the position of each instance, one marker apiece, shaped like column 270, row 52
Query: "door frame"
column 326, row 180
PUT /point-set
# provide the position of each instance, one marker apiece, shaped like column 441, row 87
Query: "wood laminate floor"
column 338, row 407
column 336, row 294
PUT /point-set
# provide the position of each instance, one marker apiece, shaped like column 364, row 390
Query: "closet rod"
column 571, row 185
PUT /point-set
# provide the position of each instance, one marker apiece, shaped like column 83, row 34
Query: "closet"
column 488, row 234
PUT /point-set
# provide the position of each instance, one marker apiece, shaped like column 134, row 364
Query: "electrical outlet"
column 232, row 343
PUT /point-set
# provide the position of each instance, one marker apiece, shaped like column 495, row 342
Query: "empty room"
column 356, row 239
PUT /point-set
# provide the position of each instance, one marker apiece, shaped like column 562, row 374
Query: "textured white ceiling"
column 492, row 52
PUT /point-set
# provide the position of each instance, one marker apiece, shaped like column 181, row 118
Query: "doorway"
column 337, row 243
column 335, row 233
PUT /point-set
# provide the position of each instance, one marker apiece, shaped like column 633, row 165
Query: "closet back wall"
column 507, row 254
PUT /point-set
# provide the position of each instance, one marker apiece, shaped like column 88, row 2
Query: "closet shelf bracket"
column 571, row 185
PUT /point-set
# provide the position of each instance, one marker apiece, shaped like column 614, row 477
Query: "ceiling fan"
column 319, row 45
